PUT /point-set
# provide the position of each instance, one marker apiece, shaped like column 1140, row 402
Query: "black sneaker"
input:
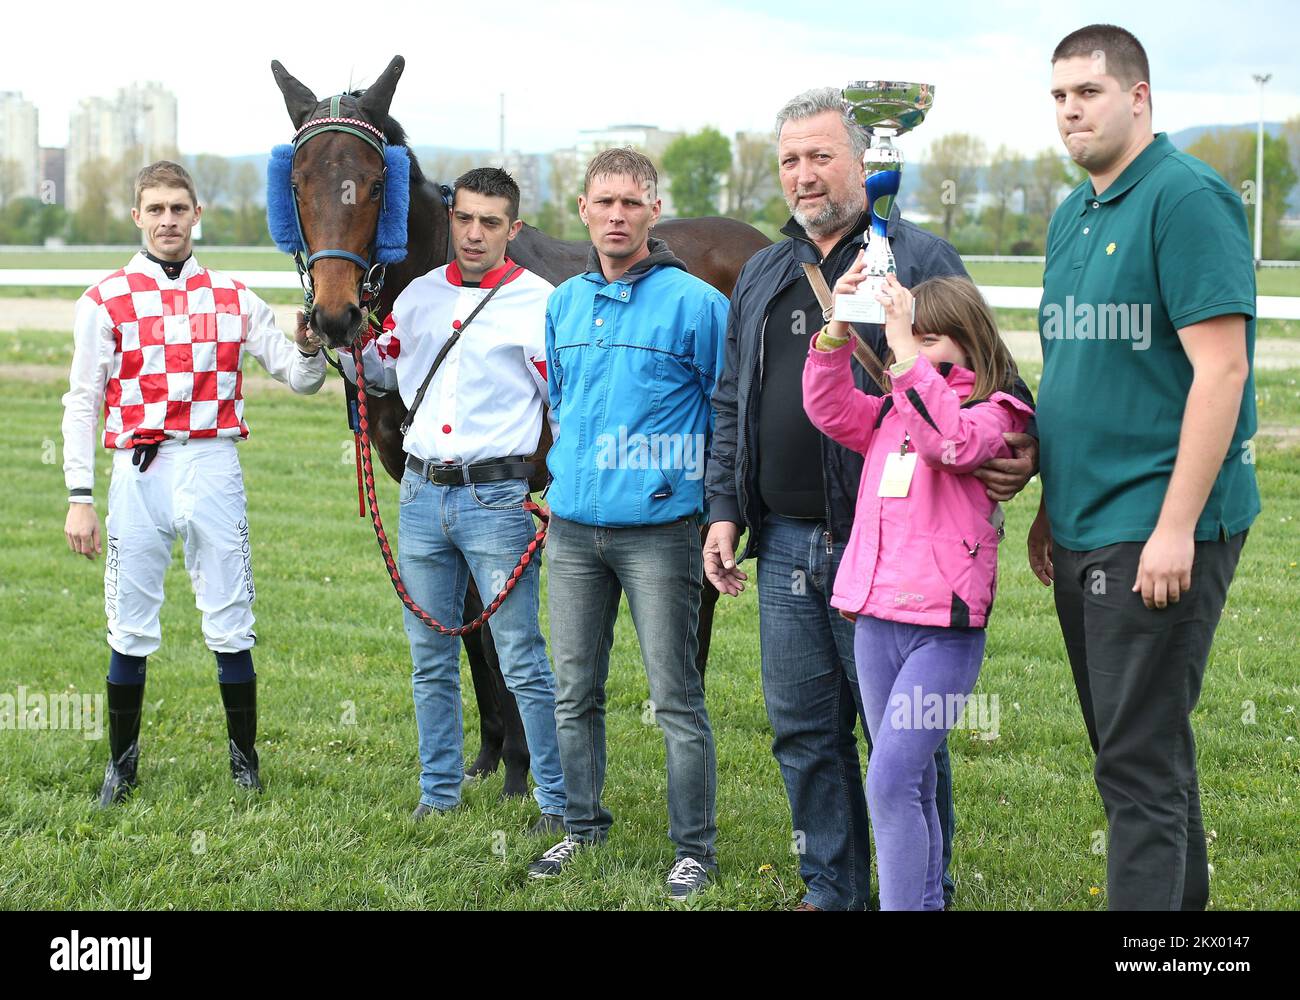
column 550, row 864
column 688, row 876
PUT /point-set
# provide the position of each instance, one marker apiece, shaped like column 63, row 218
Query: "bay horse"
column 713, row 249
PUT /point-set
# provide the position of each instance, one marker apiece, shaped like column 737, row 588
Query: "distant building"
column 127, row 131
column 649, row 139
column 53, row 180
column 526, row 169
column 20, row 158
column 93, row 134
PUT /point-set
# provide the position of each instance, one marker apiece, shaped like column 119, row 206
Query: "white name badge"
column 896, row 480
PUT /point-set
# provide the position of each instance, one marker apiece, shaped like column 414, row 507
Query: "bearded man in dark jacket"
column 794, row 490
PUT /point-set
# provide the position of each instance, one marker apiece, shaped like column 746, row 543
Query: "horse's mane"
column 395, row 135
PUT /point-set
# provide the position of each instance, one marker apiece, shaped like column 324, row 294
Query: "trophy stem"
column 882, row 165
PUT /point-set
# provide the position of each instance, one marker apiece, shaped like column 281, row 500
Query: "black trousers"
column 1138, row 673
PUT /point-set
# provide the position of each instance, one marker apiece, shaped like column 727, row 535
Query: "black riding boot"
column 124, row 703
column 241, row 723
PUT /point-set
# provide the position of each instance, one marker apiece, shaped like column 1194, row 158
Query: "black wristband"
column 72, row 494
column 306, row 355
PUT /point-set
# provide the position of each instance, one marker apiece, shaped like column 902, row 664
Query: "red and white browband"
column 357, row 122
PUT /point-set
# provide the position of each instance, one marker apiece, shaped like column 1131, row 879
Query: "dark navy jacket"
column 731, row 479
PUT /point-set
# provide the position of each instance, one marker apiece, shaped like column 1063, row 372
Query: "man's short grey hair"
column 814, row 102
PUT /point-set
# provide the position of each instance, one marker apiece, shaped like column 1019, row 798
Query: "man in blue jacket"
column 772, row 473
column 633, row 349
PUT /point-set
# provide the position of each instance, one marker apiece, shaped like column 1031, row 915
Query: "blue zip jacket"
column 631, row 365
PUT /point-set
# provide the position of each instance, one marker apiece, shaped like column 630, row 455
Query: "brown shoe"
column 805, row 905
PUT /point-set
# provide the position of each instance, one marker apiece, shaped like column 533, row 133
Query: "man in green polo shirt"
column 1145, row 411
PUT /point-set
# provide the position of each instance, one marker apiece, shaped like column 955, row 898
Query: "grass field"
column 338, row 742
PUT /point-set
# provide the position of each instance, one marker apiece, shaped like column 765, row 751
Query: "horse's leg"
column 489, row 687
column 501, row 731
column 515, row 747
column 708, row 601
column 515, row 744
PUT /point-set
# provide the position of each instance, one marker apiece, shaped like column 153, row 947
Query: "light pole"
column 1261, row 79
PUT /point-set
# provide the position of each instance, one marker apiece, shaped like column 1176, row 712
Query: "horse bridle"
column 367, row 294
column 372, row 273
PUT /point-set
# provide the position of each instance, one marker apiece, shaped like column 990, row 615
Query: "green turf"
column 338, row 740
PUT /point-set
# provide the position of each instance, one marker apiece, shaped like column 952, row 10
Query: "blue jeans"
column 659, row 567
column 810, row 685
column 447, row 533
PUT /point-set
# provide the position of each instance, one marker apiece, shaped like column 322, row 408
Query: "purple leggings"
column 914, row 681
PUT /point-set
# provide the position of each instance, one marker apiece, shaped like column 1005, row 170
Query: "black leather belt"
column 490, row 471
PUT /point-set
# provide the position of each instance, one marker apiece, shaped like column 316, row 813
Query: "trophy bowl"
column 899, row 107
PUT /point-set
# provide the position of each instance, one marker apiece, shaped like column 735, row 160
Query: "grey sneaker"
column 547, row 825
column 553, row 861
column 422, row 811
column 688, row 876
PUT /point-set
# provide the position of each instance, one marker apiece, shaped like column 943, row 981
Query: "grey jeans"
column 1138, row 672
column 658, row 566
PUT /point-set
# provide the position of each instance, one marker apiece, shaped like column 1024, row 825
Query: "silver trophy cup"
column 886, row 110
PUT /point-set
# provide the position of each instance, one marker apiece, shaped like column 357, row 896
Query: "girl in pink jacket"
column 920, row 568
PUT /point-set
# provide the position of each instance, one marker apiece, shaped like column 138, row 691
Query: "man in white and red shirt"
column 466, row 479
column 160, row 345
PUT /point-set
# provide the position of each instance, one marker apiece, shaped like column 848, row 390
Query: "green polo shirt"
column 1164, row 247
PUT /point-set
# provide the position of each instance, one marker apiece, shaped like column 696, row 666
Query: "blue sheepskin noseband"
column 390, row 233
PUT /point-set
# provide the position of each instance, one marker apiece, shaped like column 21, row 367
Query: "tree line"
column 1002, row 203
column 984, row 203
column 231, row 195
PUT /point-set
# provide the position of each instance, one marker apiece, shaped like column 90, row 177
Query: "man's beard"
column 830, row 218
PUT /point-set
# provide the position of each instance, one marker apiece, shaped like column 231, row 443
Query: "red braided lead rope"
column 387, row 551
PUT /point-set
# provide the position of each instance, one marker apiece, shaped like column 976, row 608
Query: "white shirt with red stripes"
column 165, row 356
column 488, row 396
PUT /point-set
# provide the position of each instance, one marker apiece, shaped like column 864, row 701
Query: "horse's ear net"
column 390, row 239
column 280, row 217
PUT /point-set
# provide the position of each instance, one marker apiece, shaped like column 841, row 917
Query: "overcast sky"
column 680, row 64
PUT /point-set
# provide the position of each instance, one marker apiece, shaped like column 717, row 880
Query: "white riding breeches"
column 194, row 490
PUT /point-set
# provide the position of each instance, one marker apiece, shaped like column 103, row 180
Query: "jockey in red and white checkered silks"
column 159, row 346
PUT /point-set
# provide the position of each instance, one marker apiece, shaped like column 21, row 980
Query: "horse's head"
column 338, row 174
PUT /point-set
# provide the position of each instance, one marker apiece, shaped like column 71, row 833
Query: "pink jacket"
column 930, row 558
